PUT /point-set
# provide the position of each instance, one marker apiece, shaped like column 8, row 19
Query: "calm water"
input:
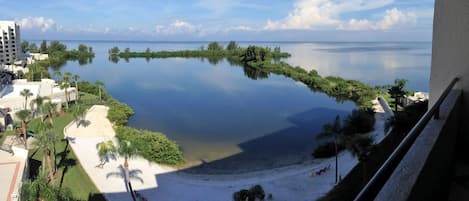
column 229, row 121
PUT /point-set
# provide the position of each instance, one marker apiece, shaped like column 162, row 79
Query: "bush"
column 119, row 113
column 326, row 150
column 152, row 146
column 254, row 193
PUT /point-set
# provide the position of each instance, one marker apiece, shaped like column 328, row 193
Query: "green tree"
column 360, row 146
column 82, row 48
column 41, row 190
column 24, row 46
column 214, row 46
column 78, row 113
column 232, row 45
column 26, row 93
column 56, row 46
column 65, row 84
column 50, row 108
column 45, row 142
column 128, row 151
column 397, row 91
column 114, row 51
column 33, row 48
column 43, row 49
column 57, row 75
column 39, row 102
column 100, row 85
column 24, row 116
column 335, row 131
column 105, row 149
column 75, row 79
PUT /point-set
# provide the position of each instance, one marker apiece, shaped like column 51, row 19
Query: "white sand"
column 167, row 184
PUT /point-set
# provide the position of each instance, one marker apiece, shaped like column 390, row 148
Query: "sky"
column 208, row 20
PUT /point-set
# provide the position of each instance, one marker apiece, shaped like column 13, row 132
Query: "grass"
column 70, row 173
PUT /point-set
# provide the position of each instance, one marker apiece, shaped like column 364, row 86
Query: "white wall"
column 450, row 54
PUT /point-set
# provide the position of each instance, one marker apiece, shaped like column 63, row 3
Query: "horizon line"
column 223, row 41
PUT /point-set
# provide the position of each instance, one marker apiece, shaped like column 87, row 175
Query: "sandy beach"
column 163, row 183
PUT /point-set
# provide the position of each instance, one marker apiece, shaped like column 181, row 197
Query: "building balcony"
column 424, row 165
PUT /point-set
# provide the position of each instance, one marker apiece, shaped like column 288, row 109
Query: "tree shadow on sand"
column 133, row 175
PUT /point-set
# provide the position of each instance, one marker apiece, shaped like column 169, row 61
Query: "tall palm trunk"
column 25, row 134
column 127, row 178
column 51, row 168
column 66, row 98
column 77, row 95
column 336, row 162
column 25, row 102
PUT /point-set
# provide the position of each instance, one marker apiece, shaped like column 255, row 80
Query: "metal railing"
column 375, row 184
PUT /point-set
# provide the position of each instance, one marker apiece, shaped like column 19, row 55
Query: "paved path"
column 156, row 182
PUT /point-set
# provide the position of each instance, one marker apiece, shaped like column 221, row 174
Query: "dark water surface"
column 229, row 121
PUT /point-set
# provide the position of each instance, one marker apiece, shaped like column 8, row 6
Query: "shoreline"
column 164, row 183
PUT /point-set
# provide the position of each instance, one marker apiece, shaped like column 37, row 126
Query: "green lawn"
column 70, row 173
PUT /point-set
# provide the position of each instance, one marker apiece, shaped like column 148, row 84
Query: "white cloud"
column 239, row 28
column 316, row 14
column 177, row 27
column 393, row 18
column 44, row 24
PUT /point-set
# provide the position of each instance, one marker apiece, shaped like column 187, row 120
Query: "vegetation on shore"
column 58, row 54
column 259, row 62
column 351, row 185
column 153, row 146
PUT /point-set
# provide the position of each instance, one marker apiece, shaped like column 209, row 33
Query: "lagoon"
column 230, row 121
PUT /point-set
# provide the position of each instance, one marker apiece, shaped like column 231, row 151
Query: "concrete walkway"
column 161, row 183
column 109, row 179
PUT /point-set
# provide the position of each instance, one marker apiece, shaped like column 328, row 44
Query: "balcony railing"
column 397, row 178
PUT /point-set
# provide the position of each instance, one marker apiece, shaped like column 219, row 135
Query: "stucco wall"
column 450, row 54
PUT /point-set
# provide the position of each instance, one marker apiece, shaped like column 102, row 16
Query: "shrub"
column 326, row 150
column 152, row 146
column 119, row 113
column 254, row 193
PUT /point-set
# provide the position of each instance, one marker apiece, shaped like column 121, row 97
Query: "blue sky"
column 196, row 20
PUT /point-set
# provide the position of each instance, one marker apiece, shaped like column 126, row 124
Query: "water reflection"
column 217, row 109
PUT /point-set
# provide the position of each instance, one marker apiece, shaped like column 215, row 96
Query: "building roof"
column 12, row 171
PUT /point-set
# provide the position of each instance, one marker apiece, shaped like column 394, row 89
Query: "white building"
column 10, row 43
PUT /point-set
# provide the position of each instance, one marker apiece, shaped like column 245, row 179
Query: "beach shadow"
column 133, row 175
column 295, row 142
column 287, row 146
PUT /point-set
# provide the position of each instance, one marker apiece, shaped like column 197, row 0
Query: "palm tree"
column 57, row 74
column 40, row 190
column 127, row 150
column 78, row 113
column 334, row 130
column 75, row 79
column 100, row 85
column 24, row 116
column 360, row 146
column 45, row 142
column 397, row 91
column 50, row 108
column 65, row 84
column 39, row 102
column 105, row 149
column 26, row 93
